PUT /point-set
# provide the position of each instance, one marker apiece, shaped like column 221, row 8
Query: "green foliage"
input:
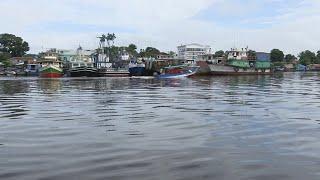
column 113, row 52
column 318, row 57
column 149, row 52
column 307, row 57
column 4, row 58
column 252, row 53
column 13, row 45
column 132, row 50
column 278, row 64
column 219, row 53
column 171, row 53
column 110, row 39
column 276, row 55
column 289, row 58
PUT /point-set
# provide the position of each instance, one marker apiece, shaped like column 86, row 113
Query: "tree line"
column 306, row 57
column 14, row 46
column 277, row 56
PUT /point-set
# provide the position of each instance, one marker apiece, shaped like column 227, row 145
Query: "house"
column 190, row 52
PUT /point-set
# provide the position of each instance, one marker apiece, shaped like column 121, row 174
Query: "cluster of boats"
column 79, row 66
column 99, row 66
column 235, row 62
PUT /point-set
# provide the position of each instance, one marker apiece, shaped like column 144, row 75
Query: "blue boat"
column 180, row 71
column 137, row 68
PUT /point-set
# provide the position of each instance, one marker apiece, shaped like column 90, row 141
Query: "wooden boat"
column 180, row 71
column 50, row 66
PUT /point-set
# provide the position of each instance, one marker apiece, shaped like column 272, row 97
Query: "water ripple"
column 248, row 127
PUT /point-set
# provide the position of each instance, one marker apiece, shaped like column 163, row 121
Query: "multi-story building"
column 190, row 52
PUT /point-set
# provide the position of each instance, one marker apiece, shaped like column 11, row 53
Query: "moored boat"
column 81, row 65
column 180, row 71
column 51, row 71
column 50, row 66
column 137, row 68
column 113, row 72
column 239, row 62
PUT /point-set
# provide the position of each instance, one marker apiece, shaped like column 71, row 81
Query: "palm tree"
column 110, row 38
column 102, row 44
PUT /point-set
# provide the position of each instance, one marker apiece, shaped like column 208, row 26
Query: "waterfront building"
column 67, row 55
column 263, row 56
column 124, row 55
column 190, row 52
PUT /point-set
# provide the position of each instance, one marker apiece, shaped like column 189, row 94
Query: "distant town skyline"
column 262, row 25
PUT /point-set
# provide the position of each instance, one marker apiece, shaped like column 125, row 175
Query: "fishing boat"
column 50, row 65
column 239, row 62
column 180, row 71
column 81, row 65
column 137, row 68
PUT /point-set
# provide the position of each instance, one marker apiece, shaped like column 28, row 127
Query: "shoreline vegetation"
column 13, row 48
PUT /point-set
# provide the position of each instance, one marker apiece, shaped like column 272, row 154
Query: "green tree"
column 307, row 57
column 289, row 58
column 111, row 50
column 318, row 57
column 13, row 45
column 149, row 52
column 276, row 55
column 219, row 53
column 252, row 55
column 4, row 58
column 110, row 39
column 132, row 50
column 171, row 53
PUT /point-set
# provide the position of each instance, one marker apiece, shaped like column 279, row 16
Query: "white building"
column 190, row 52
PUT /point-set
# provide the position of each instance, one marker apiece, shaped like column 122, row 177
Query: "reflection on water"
column 247, row 127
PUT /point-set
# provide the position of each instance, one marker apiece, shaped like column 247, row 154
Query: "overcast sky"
column 290, row 25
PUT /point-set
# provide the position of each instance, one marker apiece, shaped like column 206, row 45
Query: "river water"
column 248, row 127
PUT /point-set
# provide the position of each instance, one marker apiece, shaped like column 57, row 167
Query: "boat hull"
column 189, row 72
column 83, row 72
column 216, row 69
column 113, row 73
column 203, row 68
column 51, row 72
column 137, row 71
